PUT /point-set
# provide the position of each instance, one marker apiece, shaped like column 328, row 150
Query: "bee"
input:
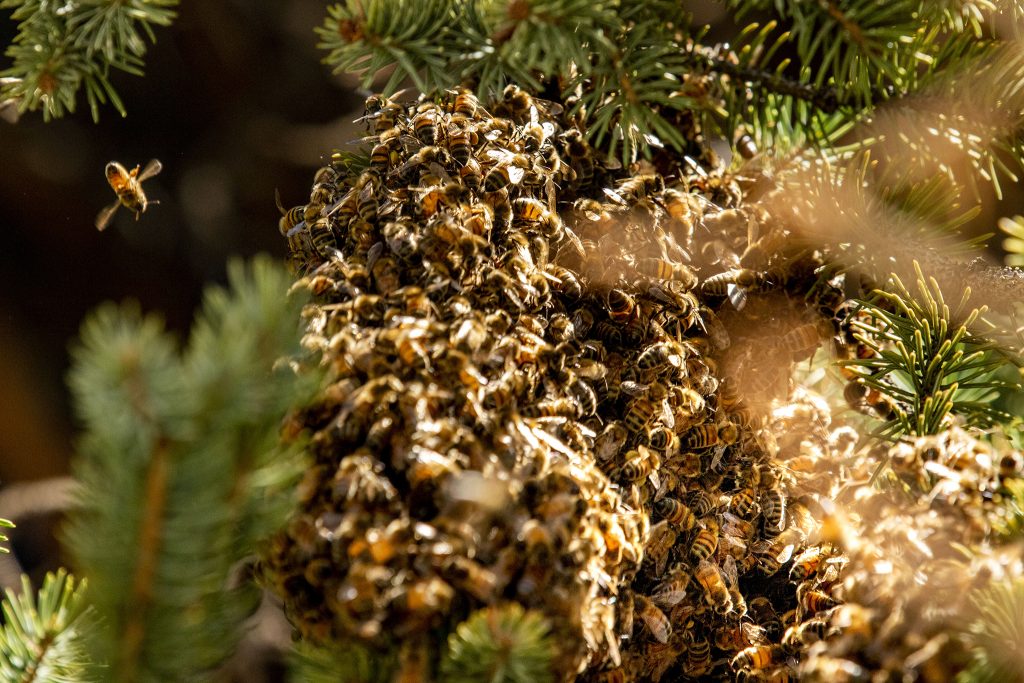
column 758, row 657
column 580, row 156
column 812, row 601
column 526, row 209
column 663, row 440
column 676, row 513
column 700, row 502
column 128, row 186
column 698, row 657
column 639, row 464
column 385, row 154
column 654, row 619
column 568, row 284
column 461, row 141
column 518, row 105
column 424, row 125
column 431, row 157
column 764, row 615
column 658, row 356
column 807, row 563
column 386, row 274
column 559, row 407
column 701, row 436
column 621, row 306
column 671, row 590
column 466, row 104
column 616, row 675
column 704, row 543
column 773, row 512
column 471, row 175
column 661, row 269
column 636, row 189
column 805, row 633
column 742, row 502
column 610, row 441
column 401, row 238
column 289, row 217
column 509, row 170
column 638, row 415
column 322, row 237
column 534, row 134
column 471, row 576
column 585, row 398
column 728, row 433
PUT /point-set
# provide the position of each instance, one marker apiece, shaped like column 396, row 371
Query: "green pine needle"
column 41, row 639
column 997, row 635
column 5, row 523
column 503, row 644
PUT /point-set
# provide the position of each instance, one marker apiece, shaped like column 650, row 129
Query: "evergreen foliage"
column 44, row 638
column 501, row 644
column 5, row 523
column 997, row 634
column 930, row 361
column 64, row 47
column 181, row 472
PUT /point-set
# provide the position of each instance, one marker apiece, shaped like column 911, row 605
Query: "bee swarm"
column 535, row 368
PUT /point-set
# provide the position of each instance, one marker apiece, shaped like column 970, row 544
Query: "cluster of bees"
column 549, row 383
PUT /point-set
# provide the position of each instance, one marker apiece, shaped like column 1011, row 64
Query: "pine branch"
column 42, row 639
column 348, row 663
column 930, row 360
column 504, row 644
column 997, row 634
column 8, row 524
column 63, row 48
column 180, row 470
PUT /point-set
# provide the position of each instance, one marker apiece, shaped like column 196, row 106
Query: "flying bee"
column 128, row 186
column 654, row 619
column 676, row 513
column 424, row 125
column 704, row 543
column 715, row 591
column 637, row 189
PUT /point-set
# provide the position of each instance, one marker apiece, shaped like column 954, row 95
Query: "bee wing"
column 104, row 216
column 754, row 634
column 730, row 571
column 152, row 168
column 615, row 196
column 438, row 170
column 277, row 200
column 515, row 175
column 299, row 227
column 373, row 254
column 737, row 295
column 534, row 119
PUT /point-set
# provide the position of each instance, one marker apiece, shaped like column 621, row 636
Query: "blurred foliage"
column 997, row 634
column 500, row 644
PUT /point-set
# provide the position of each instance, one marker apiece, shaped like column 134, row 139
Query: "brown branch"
column 848, row 26
column 150, row 538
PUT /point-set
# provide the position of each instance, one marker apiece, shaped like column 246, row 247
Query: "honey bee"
column 700, row 502
column 610, row 441
column 773, row 512
column 639, row 464
column 654, row 619
column 534, row 133
column 663, row 440
column 386, row 274
column 671, row 590
column 661, row 269
column 676, row 513
column 621, row 306
column 585, row 397
column 704, row 543
column 580, row 155
column 639, row 414
column 519, row 105
column 701, row 436
column 758, row 657
column 430, row 157
column 290, row 218
column 636, row 189
column 698, row 656
column 461, row 141
column 509, row 170
column 742, row 502
column 803, row 340
column 466, row 104
column 424, row 125
column 532, row 210
column 471, row 175
column 812, row 601
column 807, row 563
column 559, row 407
column 128, row 186
column 661, row 355
column 764, row 615
column 805, row 633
